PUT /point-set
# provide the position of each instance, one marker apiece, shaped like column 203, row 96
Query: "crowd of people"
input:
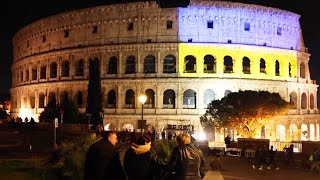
column 265, row 157
column 18, row 122
column 140, row 161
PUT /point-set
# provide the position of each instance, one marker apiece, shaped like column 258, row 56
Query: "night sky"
column 16, row 14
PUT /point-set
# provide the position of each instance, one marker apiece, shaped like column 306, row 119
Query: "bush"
column 68, row 161
column 164, row 149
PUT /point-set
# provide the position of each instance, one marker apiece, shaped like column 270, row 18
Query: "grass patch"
column 19, row 170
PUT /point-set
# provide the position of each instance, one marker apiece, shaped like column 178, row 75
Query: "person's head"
column 142, row 140
column 111, row 136
column 291, row 145
column 271, row 147
column 183, row 139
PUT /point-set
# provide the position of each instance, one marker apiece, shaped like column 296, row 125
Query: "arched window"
column 41, row 100
column 169, row 64
column 53, row 70
column 63, row 97
column 302, row 70
column 130, row 65
column 79, row 68
column 169, row 99
column 78, row 99
column 32, row 101
column 208, row 97
column 150, row 99
column 130, row 99
column 277, row 68
column 311, row 101
column 209, row 64
column 21, row 76
column 34, row 74
column 43, row 72
column 293, row 100
column 111, row 101
column 190, row 64
column 149, row 64
column 52, row 99
column 228, row 64
column 65, row 69
column 246, row 65
column 27, row 75
column 262, row 66
column 189, row 99
column 303, row 101
column 112, row 66
column 304, row 132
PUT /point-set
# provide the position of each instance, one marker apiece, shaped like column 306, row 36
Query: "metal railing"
column 280, row 146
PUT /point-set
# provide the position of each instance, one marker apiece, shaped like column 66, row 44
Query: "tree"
column 50, row 112
column 244, row 111
column 70, row 112
column 94, row 99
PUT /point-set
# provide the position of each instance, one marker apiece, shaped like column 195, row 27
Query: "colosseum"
column 182, row 58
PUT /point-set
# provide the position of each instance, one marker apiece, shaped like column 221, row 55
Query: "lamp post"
column 89, row 115
column 142, row 99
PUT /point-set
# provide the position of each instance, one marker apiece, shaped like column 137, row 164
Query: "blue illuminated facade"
column 238, row 24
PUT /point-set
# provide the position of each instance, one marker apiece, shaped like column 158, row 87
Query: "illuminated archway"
column 304, row 132
column 281, row 133
column 128, row 127
column 293, row 131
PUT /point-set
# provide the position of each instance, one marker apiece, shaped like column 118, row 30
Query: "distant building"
column 182, row 58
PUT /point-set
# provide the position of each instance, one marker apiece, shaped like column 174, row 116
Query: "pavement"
column 240, row 168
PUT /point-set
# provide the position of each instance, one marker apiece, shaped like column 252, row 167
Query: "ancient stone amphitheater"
column 182, row 58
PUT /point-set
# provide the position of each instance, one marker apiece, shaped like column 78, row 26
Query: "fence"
column 280, row 146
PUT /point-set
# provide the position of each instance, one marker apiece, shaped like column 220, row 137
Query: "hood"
column 140, row 149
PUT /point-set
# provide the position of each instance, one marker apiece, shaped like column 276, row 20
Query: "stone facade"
column 182, row 58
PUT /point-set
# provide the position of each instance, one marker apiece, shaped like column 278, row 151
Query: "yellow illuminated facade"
column 285, row 57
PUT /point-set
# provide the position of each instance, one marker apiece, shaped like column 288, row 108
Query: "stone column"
column 219, row 64
column 159, row 70
column 120, row 65
column 119, row 96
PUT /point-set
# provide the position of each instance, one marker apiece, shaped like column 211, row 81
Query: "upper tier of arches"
column 145, row 22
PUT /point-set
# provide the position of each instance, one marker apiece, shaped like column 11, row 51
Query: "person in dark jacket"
column 102, row 159
column 187, row 161
column 140, row 162
column 271, row 161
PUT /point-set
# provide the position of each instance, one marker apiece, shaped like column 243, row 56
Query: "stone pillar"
column 86, row 64
column 120, row 65
column 71, row 67
column 119, row 98
column 59, row 68
column 219, row 64
column 200, row 64
column 237, row 64
column 139, row 63
column 159, row 70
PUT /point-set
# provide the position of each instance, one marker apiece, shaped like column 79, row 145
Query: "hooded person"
column 140, row 162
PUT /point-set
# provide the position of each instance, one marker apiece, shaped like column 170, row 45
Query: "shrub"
column 68, row 161
column 164, row 149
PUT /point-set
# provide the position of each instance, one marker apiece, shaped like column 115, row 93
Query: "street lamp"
column 142, row 99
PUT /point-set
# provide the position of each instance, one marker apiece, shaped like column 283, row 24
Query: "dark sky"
column 16, row 14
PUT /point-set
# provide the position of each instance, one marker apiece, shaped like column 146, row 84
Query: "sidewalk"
column 234, row 168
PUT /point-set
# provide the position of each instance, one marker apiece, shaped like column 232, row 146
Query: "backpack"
column 311, row 157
